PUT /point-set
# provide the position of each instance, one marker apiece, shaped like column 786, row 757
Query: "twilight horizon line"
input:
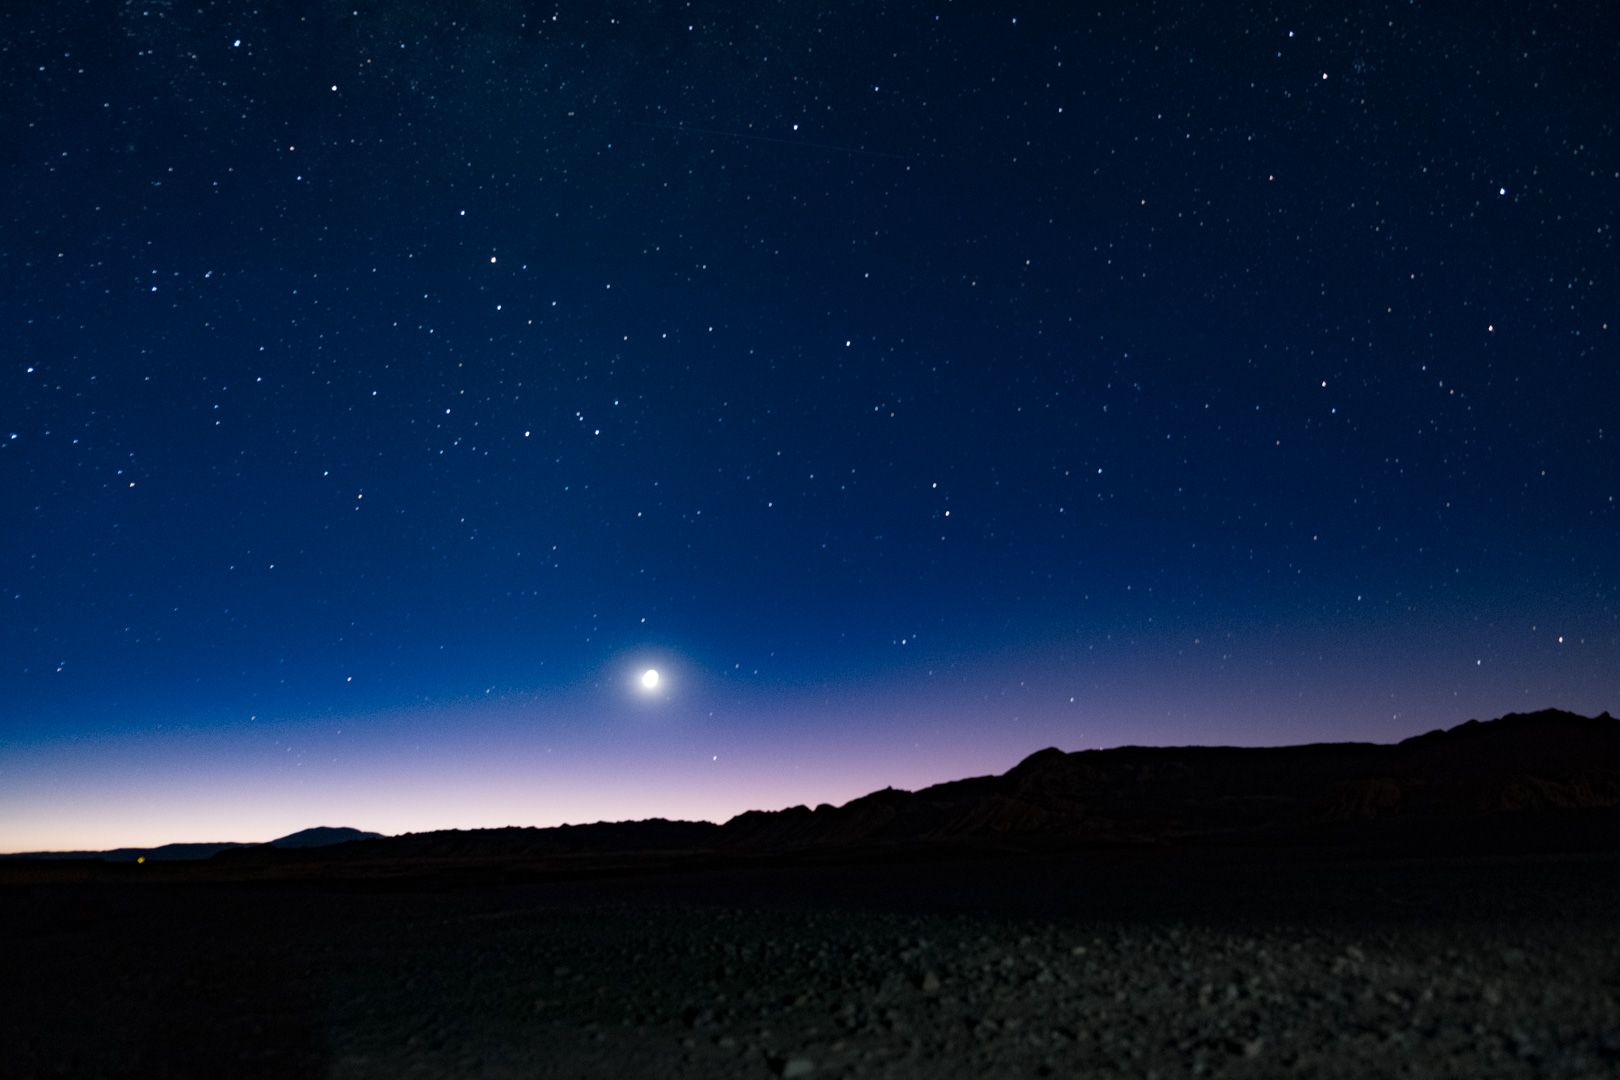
column 721, row 817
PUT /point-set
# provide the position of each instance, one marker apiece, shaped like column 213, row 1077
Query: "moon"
column 649, row 679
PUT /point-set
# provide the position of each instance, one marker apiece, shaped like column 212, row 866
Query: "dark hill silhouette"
column 164, row 853
column 1524, row 780
column 1535, row 781
column 318, row 837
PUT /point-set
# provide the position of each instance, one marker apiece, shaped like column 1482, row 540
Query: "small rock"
column 796, row 1066
column 929, row 983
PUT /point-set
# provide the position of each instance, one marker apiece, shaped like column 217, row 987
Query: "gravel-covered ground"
column 1056, row 966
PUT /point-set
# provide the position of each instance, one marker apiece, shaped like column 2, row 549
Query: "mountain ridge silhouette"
column 1522, row 778
column 303, row 839
column 1505, row 775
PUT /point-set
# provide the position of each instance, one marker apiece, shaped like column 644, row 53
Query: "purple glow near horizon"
column 959, row 387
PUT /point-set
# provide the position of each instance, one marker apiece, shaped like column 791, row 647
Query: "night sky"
column 912, row 385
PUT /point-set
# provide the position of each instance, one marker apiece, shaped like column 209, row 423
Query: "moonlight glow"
column 1140, row 463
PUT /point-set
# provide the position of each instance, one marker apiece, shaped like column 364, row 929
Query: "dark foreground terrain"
column 1448, row 906
column 1109, row 963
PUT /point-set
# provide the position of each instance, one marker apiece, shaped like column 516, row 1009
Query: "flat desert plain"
column 1124, row 963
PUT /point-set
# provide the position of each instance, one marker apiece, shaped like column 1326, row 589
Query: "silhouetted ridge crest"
column 319, row 837
column 1511, row 777
column 1040, row 759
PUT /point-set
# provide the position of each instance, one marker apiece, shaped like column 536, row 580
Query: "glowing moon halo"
column 649, row 679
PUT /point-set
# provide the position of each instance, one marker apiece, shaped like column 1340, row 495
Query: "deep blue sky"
column 915, row 385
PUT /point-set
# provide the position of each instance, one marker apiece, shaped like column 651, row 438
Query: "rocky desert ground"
column 1122, row 964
